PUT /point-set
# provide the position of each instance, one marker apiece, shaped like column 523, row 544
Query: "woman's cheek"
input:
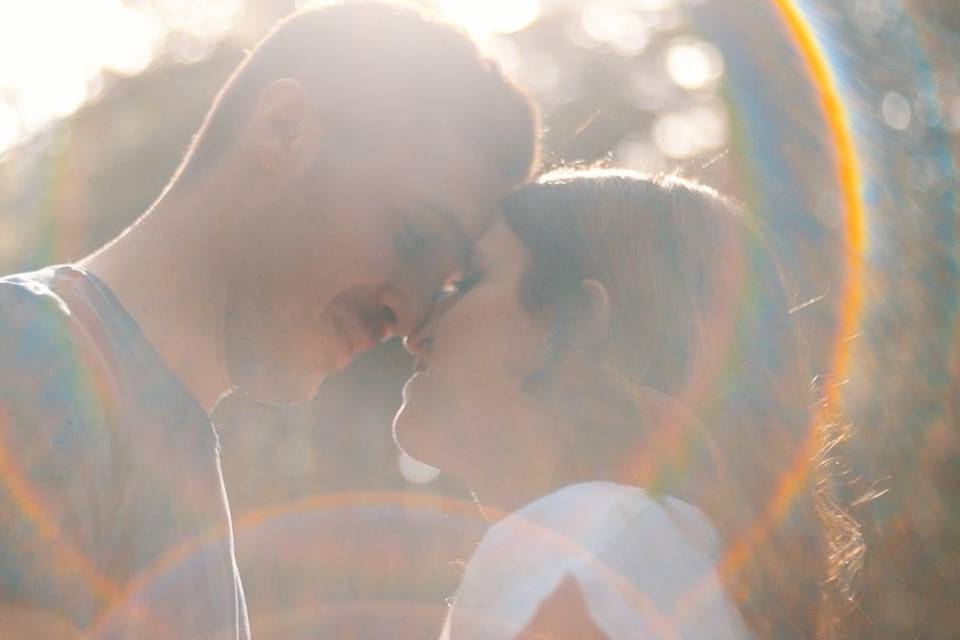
column 526, row 343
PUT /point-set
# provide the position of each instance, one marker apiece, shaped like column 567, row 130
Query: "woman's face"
column 463, row 409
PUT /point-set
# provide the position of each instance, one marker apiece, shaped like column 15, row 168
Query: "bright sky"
column 53, row 53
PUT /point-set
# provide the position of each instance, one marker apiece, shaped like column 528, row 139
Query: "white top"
column 646, row 568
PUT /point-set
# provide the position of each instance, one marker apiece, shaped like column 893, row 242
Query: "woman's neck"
column 533, row 466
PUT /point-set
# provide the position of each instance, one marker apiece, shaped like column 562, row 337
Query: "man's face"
column 349, row 252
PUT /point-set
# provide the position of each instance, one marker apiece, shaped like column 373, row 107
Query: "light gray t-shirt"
column 113, row 512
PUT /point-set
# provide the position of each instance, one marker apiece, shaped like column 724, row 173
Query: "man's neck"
column 169, row 273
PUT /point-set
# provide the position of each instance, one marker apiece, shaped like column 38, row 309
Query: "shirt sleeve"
column 56, row 463
column 657, row 578
column 646, row 568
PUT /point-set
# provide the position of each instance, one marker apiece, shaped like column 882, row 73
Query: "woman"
column 618, row 379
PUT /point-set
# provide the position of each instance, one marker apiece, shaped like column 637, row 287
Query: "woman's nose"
column 419, row 341
column 417, row 344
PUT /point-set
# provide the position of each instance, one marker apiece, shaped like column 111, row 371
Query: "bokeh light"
column 621, row 27
column 692, row 132
column 638, row 153
column 896, row 111
column 694, row 64
column 206, row 20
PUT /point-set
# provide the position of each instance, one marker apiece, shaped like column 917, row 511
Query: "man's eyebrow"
column 462, row 240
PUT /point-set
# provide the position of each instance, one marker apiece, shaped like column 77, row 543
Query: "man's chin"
column 277, row 387
column 273, row 396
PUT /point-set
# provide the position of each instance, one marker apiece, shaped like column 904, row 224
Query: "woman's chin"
column 413, row 435
column 413, row 426
column 430, row 428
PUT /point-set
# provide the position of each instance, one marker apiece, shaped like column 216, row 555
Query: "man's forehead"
column 462, row 228
column 449, row 160
column 451, row 184
column 462, row 198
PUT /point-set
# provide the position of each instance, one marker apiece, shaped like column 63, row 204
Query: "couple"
column 607, row 359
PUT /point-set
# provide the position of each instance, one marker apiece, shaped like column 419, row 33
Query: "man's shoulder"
column 44, row 346
column 29, row 304
column 49, row 314
column 56, row 430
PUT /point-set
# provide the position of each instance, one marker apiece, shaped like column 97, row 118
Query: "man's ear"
column 281, row 125
column 593, row 317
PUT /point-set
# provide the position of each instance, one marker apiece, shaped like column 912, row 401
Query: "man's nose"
column 410, row 308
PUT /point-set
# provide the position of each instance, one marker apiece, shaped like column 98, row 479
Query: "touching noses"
column 412, row 312
column 418, row 342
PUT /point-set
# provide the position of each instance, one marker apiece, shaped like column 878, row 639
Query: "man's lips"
column 360, row 333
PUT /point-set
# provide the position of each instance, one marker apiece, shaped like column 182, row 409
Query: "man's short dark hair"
column 405, row 69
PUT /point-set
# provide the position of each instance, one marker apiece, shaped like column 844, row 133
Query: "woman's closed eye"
column 463, row 284
column 458, row 286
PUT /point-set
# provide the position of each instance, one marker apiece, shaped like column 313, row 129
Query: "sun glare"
column 53, row 53
column 128, row 40
column 490, row 16
column 9, row 125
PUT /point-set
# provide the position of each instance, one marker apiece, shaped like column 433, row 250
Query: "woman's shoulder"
column 634, row 556
column 597, row 514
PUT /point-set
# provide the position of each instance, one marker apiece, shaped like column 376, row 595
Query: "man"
column 339, row 179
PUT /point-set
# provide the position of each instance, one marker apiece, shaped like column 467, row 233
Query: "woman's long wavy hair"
column 699, row 314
